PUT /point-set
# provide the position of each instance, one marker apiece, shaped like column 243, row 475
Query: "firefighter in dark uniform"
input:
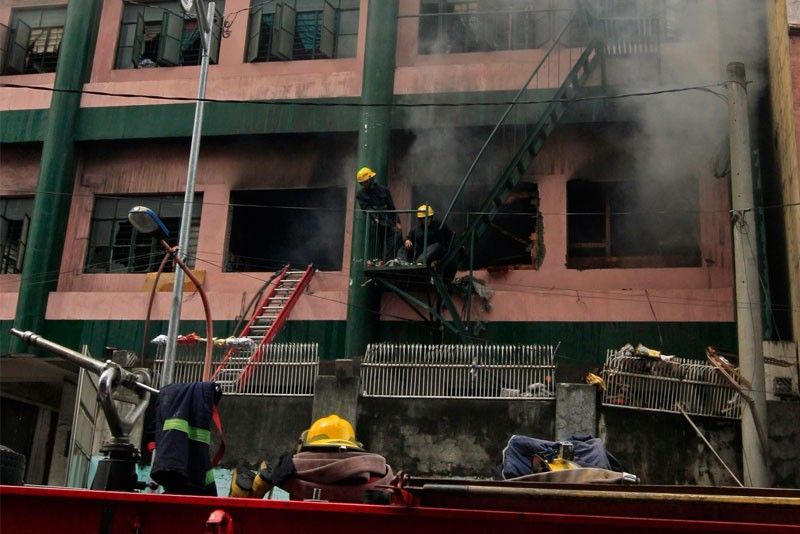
column 427, row 249
column 372, row 196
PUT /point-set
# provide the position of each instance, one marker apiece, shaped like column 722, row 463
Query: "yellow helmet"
column 330, row 431
column 424, row 210
column 364, row 174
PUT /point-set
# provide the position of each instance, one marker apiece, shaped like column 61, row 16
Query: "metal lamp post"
column 146, row 222
column 206, row 20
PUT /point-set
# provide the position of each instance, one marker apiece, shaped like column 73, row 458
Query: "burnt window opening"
column 270, row 228
column 514, row 237
column 115, row 246
column 630, row 225
column 15, row 221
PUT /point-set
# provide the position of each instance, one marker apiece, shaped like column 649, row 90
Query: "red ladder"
column 265, row 324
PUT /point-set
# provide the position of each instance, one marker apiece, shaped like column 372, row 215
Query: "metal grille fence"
column 285, row 369
column 458, row 371
column 657, row 386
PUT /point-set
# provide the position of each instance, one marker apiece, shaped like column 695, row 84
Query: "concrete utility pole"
column 56, row 173
column 747, row 285
column 377, row 90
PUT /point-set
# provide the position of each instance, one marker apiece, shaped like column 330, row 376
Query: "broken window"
column 116, row 247
column 631, row 224
column 15, row 221
column 514, row 236
column 32, row 42
column 162, row 35
column 457, row 26
column 273, row 227
column 302, row 29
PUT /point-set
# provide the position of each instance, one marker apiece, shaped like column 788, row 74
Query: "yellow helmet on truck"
column 425, row 210
column 330, row 431
column 364, row 174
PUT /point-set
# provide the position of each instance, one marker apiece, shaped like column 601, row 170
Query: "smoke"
column 665, row 146
column 678, row 140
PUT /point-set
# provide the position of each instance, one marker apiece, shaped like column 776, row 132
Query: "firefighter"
column 429, row 241
column 329, row 464
column 373, row 196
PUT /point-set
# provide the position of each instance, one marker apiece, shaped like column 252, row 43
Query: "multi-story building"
column 616, row 230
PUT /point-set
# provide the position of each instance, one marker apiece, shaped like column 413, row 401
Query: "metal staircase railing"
column 562, row 72
column 534, row 141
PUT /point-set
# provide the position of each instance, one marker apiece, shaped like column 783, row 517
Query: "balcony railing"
column 458, row 371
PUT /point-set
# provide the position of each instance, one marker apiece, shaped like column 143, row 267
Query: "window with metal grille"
column 116, row 247
column 459, row 26
column 15, row 220
column 162, row 35
column 32, row 42
column 631, row 224
column 302, row 29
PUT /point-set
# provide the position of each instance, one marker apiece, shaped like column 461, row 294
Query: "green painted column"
column 373, row 151
column 56, row 171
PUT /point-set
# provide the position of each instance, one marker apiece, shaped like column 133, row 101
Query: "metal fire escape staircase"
column 268, row 318
column 572, row 84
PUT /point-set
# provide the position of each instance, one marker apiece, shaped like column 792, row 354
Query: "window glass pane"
column 348, row 22
column 104, row 208
column 54, row 17
column 101, row 233
column 31, row 17
column 346, row 46
column 308, row 5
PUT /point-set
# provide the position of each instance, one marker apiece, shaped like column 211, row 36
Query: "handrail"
column 511, row 105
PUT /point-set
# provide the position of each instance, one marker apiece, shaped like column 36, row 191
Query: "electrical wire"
column 27, row 193
column 704, row 88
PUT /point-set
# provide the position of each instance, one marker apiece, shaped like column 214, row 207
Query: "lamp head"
column 147, row 222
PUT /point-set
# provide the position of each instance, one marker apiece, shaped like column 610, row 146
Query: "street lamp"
column 147, row 222
column 206, row 21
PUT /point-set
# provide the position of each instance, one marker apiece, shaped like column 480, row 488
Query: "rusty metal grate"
column 285, row 369
column 458, row 371
column 656, row 385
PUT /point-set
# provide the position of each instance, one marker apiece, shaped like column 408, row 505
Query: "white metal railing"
column 655, row 385
column 284, row 369
column 458, row 371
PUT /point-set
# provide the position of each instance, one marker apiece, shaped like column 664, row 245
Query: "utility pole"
column 206, row 21
column 747, row 288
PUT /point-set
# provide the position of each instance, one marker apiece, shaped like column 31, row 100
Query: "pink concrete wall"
column 232, row 78
column 553, row 293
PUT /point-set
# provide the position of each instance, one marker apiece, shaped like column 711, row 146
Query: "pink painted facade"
column 552, row 293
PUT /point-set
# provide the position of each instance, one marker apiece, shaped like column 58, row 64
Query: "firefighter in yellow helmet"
column 330, row 433
column 377, row 199
column 429, row 241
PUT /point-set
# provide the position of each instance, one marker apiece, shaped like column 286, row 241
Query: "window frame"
column 21, row 242
column 150, row 247
column 273, row 34
column 480, row 29
column 170, row 31
column 17, row 55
